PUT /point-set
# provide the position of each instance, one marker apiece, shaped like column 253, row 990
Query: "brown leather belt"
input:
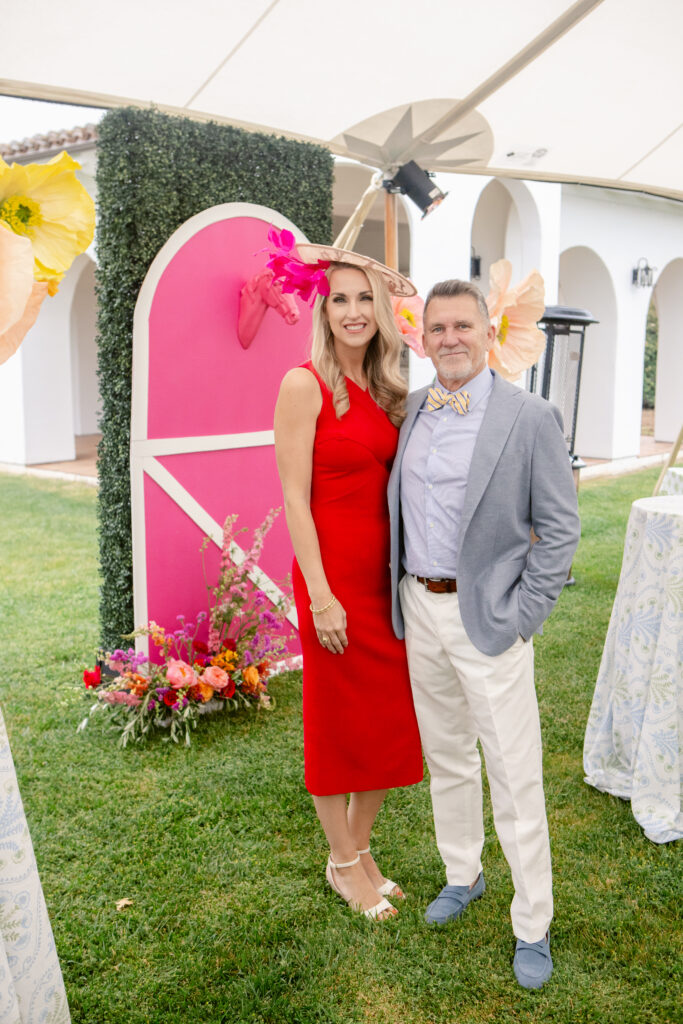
column 438, row 586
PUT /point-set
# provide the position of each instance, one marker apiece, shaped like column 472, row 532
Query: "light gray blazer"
column 520, row 476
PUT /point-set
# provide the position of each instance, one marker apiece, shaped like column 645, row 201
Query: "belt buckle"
column 428, row 580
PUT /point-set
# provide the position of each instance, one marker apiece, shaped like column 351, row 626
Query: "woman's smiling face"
column 350, row 308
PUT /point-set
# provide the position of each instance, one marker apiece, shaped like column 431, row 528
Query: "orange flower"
column 200, row 691
column 514, row 313
column 227, row 660
column 139, row 684
column 251, row 682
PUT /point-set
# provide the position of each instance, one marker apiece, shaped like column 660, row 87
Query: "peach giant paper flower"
column 20, row 295
column 514, row 313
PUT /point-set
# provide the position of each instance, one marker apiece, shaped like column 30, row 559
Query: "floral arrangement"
column 193, row 677
column 47, row 219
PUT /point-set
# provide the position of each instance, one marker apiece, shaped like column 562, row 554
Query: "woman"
column 336, row 430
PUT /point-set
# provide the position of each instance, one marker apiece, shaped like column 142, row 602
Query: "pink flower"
column 514, row 313
column 308, row 279
column 408, row 316
column 179, row 674
column 215, row 677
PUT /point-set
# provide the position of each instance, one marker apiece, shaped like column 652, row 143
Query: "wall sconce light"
column 417, row 184
column 475, row 266
column 643, row 274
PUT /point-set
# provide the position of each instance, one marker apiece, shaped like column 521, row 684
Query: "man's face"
column 456, row 339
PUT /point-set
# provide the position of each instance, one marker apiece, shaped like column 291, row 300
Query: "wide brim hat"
column 396, row 283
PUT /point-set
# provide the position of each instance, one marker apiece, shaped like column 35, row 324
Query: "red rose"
column 170, row 698
column 200, row 647
column 229, row 645
column 229, row 690
column 92, row 679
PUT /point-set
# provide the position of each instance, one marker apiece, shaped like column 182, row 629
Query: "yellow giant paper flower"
column 47, row 204
column 514, row 313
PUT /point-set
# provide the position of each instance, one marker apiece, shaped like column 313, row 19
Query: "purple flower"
column 201, row 616
column 248, row 658
column 151, row 704
column 268, row 619
column 180, row 618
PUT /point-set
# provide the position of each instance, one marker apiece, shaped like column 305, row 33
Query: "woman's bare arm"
column 296, row 413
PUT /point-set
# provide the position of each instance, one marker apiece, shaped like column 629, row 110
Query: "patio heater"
column 559, row 370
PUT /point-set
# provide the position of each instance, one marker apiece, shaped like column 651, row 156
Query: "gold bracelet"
column 319, row 611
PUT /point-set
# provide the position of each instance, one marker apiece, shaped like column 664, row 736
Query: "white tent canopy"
column 539, row 89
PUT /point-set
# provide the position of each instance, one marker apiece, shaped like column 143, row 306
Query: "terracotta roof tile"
column 50, row 142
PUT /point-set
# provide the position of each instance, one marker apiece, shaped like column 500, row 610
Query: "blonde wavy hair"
column 382, row 359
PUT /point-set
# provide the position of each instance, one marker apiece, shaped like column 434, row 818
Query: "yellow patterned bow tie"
column 437, row 398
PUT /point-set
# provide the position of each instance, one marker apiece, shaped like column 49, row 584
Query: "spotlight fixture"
column 417, row 184
column 643, row 274
column 475, row 266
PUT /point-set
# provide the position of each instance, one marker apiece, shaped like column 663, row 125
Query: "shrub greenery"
column 153, row 173
column 650, row 365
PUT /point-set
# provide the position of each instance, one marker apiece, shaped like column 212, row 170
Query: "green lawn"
column 218, row 848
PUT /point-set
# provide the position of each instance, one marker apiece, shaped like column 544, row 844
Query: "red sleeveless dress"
column 360, row 731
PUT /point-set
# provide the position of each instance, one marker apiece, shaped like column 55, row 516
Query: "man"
column 479, row 463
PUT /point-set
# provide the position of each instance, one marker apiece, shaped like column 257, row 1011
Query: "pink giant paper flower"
column 180, row 674
column 514, row 313
column 20, row 295
column 408, row 316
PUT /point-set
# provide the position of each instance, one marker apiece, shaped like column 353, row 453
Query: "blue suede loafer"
column 533, row 963
column 452, row 900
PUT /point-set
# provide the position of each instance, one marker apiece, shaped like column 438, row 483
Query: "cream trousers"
column 462, row 696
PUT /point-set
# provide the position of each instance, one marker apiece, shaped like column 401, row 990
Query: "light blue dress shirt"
column 434, row 471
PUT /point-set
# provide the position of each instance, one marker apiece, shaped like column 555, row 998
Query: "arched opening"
column 506, row 224
column 585, row 283
column 647, row 428
column 668, row 406
column 350, row 182
column 86, row 397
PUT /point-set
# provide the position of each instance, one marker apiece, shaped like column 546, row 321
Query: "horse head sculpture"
column 258, row 294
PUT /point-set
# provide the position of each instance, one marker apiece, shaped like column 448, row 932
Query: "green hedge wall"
column 650, row 364
column 153, row 172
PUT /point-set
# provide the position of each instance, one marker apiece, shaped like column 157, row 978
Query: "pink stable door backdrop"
column 202, row 417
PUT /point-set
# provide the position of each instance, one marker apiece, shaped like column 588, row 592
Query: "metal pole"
column 391, row 230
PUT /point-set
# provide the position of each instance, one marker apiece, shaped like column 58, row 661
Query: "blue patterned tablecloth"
column 673, row 481
column 31, row 986
column 634, row 737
